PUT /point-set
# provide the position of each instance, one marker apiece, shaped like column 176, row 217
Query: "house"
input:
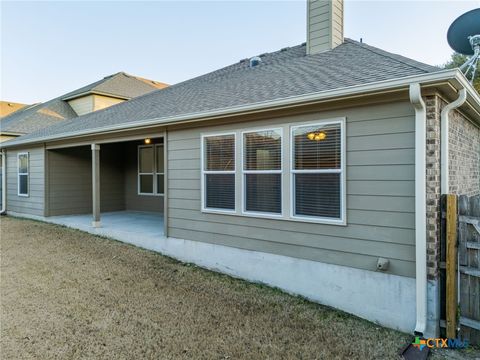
column 110, row 90
column 316, row 169
column 8, row 107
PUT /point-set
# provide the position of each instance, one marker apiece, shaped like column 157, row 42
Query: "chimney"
column 324, row 25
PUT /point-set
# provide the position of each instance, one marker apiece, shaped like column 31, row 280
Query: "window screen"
column 262, row 171
column 146, row 164
column 219, row 172
column 317, row 171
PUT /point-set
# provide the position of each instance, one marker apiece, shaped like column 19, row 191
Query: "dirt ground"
column 66, row 294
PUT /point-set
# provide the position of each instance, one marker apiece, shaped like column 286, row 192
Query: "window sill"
column 320, row 221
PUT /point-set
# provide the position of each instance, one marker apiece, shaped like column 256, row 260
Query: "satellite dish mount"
column 464, row 37
column 470, row 66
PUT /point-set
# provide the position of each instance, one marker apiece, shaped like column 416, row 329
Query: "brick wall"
column 464, row 156
column 433, row 104
column 464, row 172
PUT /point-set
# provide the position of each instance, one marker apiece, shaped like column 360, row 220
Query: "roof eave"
column 451, row 75
column 11, row 133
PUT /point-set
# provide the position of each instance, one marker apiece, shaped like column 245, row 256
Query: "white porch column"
column 96, row 185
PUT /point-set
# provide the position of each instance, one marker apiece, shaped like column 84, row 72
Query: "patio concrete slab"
column 144, row 229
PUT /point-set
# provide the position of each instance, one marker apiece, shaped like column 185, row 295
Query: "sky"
column 50, row 48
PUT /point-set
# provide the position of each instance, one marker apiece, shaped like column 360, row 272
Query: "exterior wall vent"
column 254, row 61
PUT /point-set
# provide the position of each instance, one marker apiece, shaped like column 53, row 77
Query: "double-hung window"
column 218, row 172
column 23, row 174
column 150, row 169
column 262, row 171
column 317, row 171
column 311, row 188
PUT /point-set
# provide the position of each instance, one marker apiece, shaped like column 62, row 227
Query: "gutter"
column 420, row 208
column 350, row 91
column 444, row 141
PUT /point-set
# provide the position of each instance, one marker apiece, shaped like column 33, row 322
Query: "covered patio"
column 113, row 189
column 138, row 228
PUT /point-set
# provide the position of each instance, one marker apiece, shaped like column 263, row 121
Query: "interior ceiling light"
column 317, row 136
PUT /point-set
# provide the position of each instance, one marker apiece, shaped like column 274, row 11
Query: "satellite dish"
column 464, row 37
column 462, row 28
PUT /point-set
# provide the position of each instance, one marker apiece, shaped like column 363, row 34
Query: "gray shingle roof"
column 37, row 117
column 285, row 73
column 119, row 84
column 42, row 115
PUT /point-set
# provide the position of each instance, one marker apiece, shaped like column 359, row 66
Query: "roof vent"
column 254, row 61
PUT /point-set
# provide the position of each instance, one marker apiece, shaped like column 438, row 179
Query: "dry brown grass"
column 67, row 294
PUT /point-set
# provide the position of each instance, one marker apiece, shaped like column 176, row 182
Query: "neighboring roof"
column 120, row 85
column 8, row 107
column 36, row 117
column 286, row 73
column 39, row 116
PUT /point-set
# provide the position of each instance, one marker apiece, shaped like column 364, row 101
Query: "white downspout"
column 4, row 182
column 444, row 167
column 420, row 208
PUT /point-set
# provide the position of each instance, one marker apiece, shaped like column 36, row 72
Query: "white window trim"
column 153, row 174
column 245, row 172
column 206, row 172
column 287, row 185
column 23, row 174
column 343, row 202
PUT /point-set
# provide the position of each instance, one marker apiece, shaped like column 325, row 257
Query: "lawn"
column 67, row 294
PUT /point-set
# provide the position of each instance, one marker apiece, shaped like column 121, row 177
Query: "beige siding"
column 82, row 105
column 89, row 103
column 34, row 203
column 324, row 25
column 380, row 195
column 102, row 102
column 70, row 181
column 6, row 138
column 112, row 177
column 70, row 189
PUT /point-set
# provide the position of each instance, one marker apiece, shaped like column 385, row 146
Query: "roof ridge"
column 113, row 75
column 280, row 76
column 397, row 57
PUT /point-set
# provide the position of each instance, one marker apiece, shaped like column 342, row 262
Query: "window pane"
column 146, row 159
column 263, row 193
column 317, row 147
column 23, row 163
column 23, row 184
column 220, row 191
column 160, row 159
column 317, row 195
column 146, row 184
column 160, row 184
column 220, row 153
column 263, row 150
